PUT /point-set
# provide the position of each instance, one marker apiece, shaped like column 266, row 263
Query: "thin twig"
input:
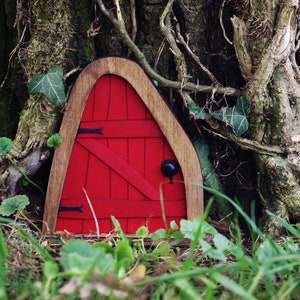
column 221, row 23
column 93, row 212
column 11, row 55
column 159, row 52
column 133, row 20
column 246, row 143
column 194, row 56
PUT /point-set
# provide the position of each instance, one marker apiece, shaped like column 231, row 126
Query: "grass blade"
column 285, row 224
column 232, row 286
column 44, row 253
column 3, row 275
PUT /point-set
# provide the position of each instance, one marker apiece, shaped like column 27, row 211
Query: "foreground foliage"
column 190, row 261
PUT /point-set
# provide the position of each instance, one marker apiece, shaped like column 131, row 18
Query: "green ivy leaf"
column 50, row 85
column 243, row 106
column 13, row 204
column 232, row 117
column 54, row 140
column 199, row 112
column 5, row 145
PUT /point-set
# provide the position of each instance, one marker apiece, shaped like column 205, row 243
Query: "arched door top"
column 175, row 135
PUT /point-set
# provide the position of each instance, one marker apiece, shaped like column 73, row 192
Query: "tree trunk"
column 264, row 41
column 182, row 46
column 12, row 84
column 49, row 24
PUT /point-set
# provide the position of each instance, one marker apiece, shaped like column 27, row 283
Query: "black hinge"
column 90, row 130
column 71, row 208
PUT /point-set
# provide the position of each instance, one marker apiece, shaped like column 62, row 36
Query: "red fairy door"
column 117, row 132
column 117, row 159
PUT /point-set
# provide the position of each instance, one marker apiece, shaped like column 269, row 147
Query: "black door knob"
column 169, row 168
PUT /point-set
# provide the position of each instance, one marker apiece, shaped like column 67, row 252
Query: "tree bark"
column 49, row 24
column 264, row 42
column 186, row 47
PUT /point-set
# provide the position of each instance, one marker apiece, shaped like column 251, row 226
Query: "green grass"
column 191, row 260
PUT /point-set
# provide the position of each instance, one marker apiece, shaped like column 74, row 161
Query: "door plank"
column 121, row 167
column 104, row 208
column 120, row 129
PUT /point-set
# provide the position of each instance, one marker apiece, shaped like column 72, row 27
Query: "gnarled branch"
column 188, row 86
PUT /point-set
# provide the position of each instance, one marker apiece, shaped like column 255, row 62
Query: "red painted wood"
column 121, row 208
column 74, row 183
column 122, row 129
column 120, row 166
column 120, row 169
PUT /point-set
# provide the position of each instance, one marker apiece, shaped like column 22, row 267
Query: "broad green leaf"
column 5, row 145
column 221, row 242
column 173, row 225
column 50, row 85
column 50, row 269
column 200, row 112
column 243, row 106
column 232, row 117
column 211, row 252
column 162, row 249
column 124, row 254
column 142, row 232
column 79, row 257
column 178, row 236
column 54, row 140
column 189, row 228
column 159, row 234
column 224, row 244
column 13, row 204
column 107, row 247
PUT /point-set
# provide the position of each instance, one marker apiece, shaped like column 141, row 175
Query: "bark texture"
column 12, row 82
column 264, row 41
column 192, row 49
column 49, row 26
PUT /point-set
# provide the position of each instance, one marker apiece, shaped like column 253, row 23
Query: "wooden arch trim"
column 175, row 135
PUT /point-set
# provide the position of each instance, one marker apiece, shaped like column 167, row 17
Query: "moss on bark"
column 49, row 45
column 273, row 89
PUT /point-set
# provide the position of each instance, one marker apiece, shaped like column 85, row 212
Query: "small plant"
column 54, row 140
column 10, row 205
column 16, row 204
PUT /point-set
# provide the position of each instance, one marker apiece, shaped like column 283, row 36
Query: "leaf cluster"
column 235, row 117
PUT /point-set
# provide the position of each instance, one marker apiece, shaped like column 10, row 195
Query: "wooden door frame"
column 173, row 132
